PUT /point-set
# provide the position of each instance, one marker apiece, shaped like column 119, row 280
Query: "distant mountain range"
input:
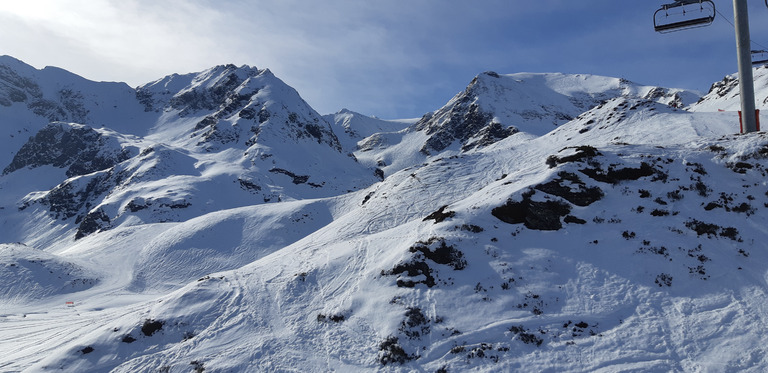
column 215, row 222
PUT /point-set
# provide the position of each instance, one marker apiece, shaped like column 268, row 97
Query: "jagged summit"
column 194, row 91
column 233, row 105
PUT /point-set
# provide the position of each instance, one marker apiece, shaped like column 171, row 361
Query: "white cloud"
column 378, row 57
column 365, row 51
column 112, row 40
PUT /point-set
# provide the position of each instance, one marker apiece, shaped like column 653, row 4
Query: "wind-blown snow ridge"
column 536, row 222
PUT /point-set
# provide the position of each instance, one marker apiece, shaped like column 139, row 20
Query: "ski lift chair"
column 759, row 57
column 683, row 15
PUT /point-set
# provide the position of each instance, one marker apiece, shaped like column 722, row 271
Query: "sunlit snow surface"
column 634, row 241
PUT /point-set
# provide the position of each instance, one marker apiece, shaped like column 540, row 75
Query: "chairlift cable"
column 743, row 42
column 726, row 18
column 759, row 45
column 706, row 20
column 732, row 25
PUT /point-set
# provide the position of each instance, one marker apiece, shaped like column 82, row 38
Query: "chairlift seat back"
column 683, row 15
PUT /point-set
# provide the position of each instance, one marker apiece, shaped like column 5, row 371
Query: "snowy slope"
column 628, row 237
column 639, row 121
column 649, row 261
column 28, row 274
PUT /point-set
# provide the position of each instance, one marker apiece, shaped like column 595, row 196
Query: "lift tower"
column 746, row 80
column 685, row 14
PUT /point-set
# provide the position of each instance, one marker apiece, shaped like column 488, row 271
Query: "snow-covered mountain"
column 31, row 98
column 536, row 222
column 494, row 107
column 223, row 138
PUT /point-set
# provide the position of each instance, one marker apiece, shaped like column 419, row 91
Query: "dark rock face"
column 249, row 185
column 87, row 350
column 544, row 215
column 140, row 204
column 488, row 135
column 616, row 175
column 224, row 98
column 413, row 269
column 212, row 90
column 84, row 152
column 723, row 87
column 82, row 149
column 311, row 127
column 436, row 251
column 658, row 93
column 390, row 352
column 464, row 121
column 440, row 215
column 570, row 219
column 416, row 324
column 712, row 230
column 234, row 110
column 15, row 88
column 151, row 327
column 583, row 153
column 526, row 336
column 92, row 223
column 442, row 254
column 297, row 179
column 70, row 198
column 572, row 189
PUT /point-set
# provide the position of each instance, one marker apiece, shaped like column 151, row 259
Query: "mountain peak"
column 14, row 63
column 495, row 106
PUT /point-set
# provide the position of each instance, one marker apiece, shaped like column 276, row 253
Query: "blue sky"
column 389, row 58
